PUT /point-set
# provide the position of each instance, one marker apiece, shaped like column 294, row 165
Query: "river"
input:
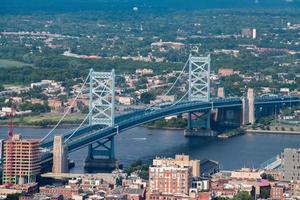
column 249, row 150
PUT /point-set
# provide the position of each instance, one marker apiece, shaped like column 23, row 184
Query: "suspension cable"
column 179, row 99
column 85, row 117
column 174, row 83
column 79, row 126
column 177, row 78
column 65, row 114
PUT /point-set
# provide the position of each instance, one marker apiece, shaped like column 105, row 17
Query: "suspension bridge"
column 101, row 125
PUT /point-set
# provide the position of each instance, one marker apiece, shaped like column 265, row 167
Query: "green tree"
column 119, row 181
column 264, row 193
column 242, row 196
column 146, row 97
column 1, row 87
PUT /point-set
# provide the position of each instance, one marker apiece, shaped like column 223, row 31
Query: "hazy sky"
column 75, row 5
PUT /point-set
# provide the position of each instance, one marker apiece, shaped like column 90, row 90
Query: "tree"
column 1, row 88
column 264, row 193
column 268, row 177
column 146, row 97
column 35, row 108
column 242, row 196
column 13, row 196
column 119, row 181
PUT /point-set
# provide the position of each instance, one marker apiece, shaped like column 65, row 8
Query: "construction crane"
column 10, row 151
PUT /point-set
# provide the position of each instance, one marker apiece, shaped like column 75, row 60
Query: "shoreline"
column 35, row 126
column 74, row 125
column 273, row 132
column 161, row 128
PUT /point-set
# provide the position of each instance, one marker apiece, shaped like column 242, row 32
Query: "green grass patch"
column 12, row 63
column 45, row 119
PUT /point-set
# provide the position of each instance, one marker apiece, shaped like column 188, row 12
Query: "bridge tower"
column 199, row 78
column 101, row 112
column 199, row 85
column 248, row 108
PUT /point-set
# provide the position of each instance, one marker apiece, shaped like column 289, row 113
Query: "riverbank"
column 231, row 133
column 273, row 132
column 162, row 128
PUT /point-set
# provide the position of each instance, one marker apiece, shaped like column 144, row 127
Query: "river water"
column 141, row 143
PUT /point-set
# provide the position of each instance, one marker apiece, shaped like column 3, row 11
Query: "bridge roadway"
column 90, row 134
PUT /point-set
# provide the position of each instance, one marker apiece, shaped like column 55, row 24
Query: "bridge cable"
column 177, row 78
column 65, row 114
column 85, row 117
column 174, row 83
column 179, row 99
column 79, row 126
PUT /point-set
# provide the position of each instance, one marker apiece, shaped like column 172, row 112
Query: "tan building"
column 21, row 160
column 37, row 101
column 55, row 104
column 246, row 174
column 277, row 192
column 17, row 100
column 182, row 160
column 125, row 100
column 295, row 188
column 166, row 98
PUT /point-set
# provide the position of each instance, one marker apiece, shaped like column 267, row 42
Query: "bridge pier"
column 101, row 156
column 248, row 114
column 227, row 118
column 200, row 125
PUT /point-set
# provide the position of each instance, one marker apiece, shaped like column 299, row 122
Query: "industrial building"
column 21, row 160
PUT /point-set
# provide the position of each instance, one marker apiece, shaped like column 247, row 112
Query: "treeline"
column 62, row 68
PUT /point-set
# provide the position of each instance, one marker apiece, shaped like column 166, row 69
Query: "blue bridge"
column 98, row 135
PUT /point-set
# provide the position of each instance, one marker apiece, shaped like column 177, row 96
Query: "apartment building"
column 21, row 160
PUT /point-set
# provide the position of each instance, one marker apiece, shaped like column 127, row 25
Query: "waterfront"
column 248, row 150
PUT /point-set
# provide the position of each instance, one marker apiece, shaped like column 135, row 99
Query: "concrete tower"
column 250, row 97
column 60, row 156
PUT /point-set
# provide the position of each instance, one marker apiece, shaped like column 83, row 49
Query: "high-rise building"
column 170, row 179
column 182, row 160
column 291, row 164
column 21, row 160
column 248, row 32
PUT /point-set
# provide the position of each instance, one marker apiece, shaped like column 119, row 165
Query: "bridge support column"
column 250, row 96
column 189, row 127
column 200, row 125
column 60, row 156
column 101, row 155
column 248, row 114
column 245, row 111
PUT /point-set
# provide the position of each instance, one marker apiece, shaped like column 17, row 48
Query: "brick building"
column 170, row 179
column 67, row 193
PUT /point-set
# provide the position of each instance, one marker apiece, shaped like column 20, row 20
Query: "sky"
column 10, row 6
